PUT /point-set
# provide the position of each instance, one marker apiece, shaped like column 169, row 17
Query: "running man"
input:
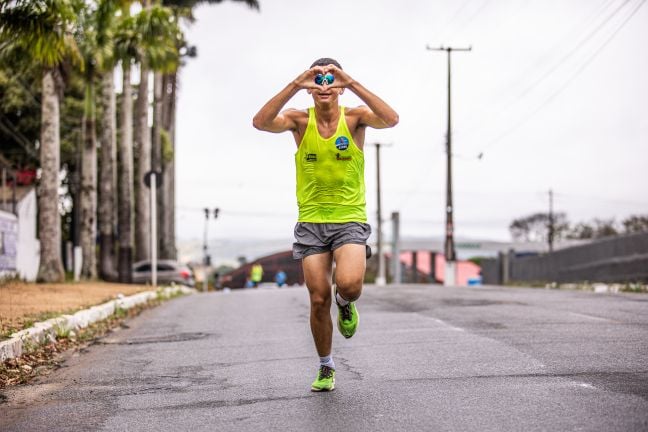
column 332, row 224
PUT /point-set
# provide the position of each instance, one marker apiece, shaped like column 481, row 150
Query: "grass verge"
column 42, row 359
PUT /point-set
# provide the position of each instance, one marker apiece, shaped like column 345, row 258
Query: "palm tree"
column 166, row 132
column 142, row 145
column 107, row 176
column 106, row 23
column 165, row 66
column 44, row 30
column 96, row 41
column 145, row 36
column 126, row 51
column 88, row 44
column 158, row 31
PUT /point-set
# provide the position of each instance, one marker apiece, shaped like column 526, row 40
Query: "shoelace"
column 325, row 372
column 346, row 312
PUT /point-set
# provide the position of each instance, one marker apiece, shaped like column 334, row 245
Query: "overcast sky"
column 554, row 94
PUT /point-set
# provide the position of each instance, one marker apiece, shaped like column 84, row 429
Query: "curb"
column 45, row 330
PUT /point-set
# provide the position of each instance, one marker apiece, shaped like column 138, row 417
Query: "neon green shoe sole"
column 325, row 380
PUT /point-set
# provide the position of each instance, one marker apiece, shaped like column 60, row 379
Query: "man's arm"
column 270, row 119
column 378, row 115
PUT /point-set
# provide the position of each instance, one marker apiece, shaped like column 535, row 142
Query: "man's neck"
column 327, row 113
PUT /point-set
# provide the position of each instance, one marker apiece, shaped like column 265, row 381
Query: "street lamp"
column 206, row 257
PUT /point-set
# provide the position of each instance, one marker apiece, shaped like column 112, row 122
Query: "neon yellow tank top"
column 330, row 175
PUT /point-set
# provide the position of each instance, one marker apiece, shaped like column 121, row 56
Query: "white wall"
column 9, row 239
column 28, row 256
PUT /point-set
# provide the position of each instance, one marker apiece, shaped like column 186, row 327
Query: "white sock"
column 341, row 300
column 327, row 361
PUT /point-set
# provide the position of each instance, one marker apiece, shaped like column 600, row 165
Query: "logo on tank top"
column 311, row 157
column 342, row 158
column 342, row 143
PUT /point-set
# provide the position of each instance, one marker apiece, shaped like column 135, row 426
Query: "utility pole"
column 153, row 180
column 153, row 206
column 550, row 234
column 449, row 249
column 396, row 264
column 380, row 278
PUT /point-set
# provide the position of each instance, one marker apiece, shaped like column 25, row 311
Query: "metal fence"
column 614, row 259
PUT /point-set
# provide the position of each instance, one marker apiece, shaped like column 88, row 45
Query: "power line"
column 520, row 96
column 474, row 15
column 593, row 198
column 566, row 57
column 238, row 213
column 448, row 23
column 565, row 84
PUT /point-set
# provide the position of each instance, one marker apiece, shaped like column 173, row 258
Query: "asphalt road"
column 424, row 358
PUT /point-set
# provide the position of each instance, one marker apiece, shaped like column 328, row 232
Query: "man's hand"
column 307, row 79
column 342, row 79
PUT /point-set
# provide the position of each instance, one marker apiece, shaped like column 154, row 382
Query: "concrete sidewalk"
column 47, row 330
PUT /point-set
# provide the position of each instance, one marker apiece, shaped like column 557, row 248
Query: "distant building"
column 271, row 264
column 430, row 268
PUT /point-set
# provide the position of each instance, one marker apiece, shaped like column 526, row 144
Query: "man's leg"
column 317, row 274
column 350, row 265
column 350, row 261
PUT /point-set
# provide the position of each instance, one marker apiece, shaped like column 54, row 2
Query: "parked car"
column 168, row 272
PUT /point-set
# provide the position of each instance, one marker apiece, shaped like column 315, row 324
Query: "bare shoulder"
column 298, row 117
column 295, row 113
column 358, row 111
column 354, row 116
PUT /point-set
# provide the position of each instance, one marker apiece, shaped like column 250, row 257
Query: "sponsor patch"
column 342, row 143
column 342, row 158
column 311, row 157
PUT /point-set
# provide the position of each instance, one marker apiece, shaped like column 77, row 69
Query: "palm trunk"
column 89, row 186
column 169, row 246
column 125, row 212
column 156, row 154
column 143, row 148
column 49, row 220
column 107, row 178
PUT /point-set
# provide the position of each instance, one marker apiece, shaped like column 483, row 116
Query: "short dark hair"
column 325, row 61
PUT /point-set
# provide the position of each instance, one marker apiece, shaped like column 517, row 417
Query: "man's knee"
column 349, row 288
column 320, row 303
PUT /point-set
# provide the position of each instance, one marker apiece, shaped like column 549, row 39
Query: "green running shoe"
column 348, row 318
column 325, row 380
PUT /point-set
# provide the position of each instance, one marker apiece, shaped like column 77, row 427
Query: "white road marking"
column 451, row 327
column 590, row 317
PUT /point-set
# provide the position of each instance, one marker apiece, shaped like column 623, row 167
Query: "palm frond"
column 43, row 27
column 252, row 4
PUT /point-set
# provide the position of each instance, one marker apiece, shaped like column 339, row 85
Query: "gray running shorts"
column 316, row 238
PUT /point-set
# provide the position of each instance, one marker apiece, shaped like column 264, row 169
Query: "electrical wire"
column 565, row 57
column 552, row 96
column 238, row 213
column 448, row 23
column 529, row 88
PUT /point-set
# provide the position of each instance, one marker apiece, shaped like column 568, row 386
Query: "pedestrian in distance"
column 256, row 274
column 332, row 224
column 280, row 278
